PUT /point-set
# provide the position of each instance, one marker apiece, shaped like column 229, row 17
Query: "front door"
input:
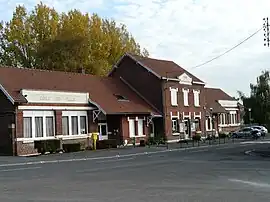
column 103, row 131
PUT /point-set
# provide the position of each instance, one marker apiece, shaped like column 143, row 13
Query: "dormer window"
column 120, row 97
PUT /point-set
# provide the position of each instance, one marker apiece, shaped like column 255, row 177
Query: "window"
column 49, row 126
column 185, row 95
column 131, row 123
column 196, row 94
column 74, row 125
column 175, row 125
column 39, row 126
column 232, row 117
column 140, row 127
column 197, row 124
column 65, row 125
column 174, row 96
column 27, row 127
column 222, row 119
column 83, row 124
column 208, row 123
column 74, row 122
column 120, row 97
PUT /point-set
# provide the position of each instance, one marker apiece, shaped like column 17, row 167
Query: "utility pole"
column 266, row 32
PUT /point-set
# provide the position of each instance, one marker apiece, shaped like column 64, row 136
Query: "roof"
column 164, row 68
column 212, row 95
column 101, row 90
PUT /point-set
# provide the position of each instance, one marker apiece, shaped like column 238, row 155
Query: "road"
column 212, row 174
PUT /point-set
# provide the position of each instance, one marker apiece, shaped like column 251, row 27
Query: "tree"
column 46, row 39
column 259, row 100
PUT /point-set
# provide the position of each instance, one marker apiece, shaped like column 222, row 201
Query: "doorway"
column 103, row 131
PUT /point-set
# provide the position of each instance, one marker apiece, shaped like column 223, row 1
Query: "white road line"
column 255, row 184
column 17, row 169
column 195, row 150
column 116, row 160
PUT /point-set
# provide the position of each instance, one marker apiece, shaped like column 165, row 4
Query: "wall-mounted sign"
column 55, row 97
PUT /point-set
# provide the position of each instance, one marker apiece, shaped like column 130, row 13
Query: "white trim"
column 196, row 96
column 174, row 92
column 228, row 103
column 197, row 116
column 64, row 137
column 231, row 109
column 27, row 107
column 177, row 116
column 77, row 114
column 103, row 137
column 7, row 94
column 97, row 105
column 185, row 95
column 55, row 97
column 197, row 82
column 232, row 112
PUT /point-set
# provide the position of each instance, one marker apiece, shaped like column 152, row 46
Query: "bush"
column 150, row 141
column 196, row 137
column 106, row 144
column 44, row 146
column 222, row 135
column 75, row 147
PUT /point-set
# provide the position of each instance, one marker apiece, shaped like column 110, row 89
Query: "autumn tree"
column 46, row 39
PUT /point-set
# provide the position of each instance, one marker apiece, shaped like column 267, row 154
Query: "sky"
column 188, row 32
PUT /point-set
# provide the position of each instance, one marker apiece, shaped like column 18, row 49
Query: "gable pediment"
column 185, row 79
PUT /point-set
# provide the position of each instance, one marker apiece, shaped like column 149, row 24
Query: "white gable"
column 185, row 79
column 228, row 103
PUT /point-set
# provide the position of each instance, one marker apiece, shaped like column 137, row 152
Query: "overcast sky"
column 188, row 32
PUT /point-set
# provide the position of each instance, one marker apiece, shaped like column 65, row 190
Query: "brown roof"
column 212, row 95
column 101, row 89
column 164, row 68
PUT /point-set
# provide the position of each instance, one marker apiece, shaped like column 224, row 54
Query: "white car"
column 263, row 130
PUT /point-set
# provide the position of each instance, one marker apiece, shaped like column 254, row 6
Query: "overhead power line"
column 229, row 50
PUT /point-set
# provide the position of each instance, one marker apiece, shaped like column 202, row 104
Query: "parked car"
column 247, row 132
column 262, row 129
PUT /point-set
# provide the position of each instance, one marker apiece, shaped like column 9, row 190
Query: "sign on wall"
column 56, row 97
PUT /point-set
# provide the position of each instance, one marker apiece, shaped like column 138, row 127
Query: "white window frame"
column 42, row 114
column 136, row 122
column 222, row 119
column 185, row 96
column 196, row 95
column 69, row 114
column 174, row 96
column 206, row 124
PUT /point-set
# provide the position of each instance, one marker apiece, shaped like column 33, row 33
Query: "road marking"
column 255, row 142
column 116, row 160
column 195, row 150
column 255, row 184
column 17, row 169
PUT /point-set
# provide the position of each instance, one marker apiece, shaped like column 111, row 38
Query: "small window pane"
column 39, row 126
column 27, row 127
column 49, row 126
column 74, row 125
column 83, row 124
column 65, row 125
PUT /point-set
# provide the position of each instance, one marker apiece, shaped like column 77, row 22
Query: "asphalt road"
column 212, row 174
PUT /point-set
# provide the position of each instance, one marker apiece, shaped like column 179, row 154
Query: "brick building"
column 46, row 105
column 140, row 96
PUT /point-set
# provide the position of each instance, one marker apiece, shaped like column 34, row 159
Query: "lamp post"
column 249, row 115
column 212, row 120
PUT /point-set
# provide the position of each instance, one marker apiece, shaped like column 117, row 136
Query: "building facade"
column 187, row 106
column 45, row 105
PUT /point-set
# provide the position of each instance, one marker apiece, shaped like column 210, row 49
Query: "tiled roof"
column 101, row 90
column 212, row 95
column 164, row 67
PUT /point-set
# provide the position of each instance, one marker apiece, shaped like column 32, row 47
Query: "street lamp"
column 212, row 120
column 249, row 115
